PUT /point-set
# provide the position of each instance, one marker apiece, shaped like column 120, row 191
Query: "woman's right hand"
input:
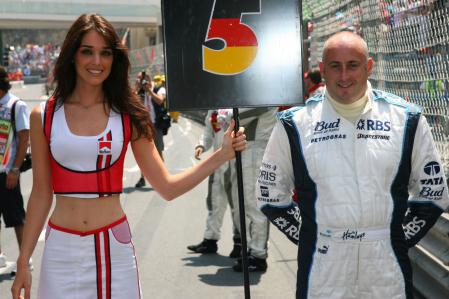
column 22, row 281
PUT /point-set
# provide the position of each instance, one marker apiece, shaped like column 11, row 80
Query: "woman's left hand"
column 233, row 142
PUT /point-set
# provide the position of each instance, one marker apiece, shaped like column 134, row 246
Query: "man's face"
column 345, row 69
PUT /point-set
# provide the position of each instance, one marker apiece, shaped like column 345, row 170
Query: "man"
column 153, row 96
column 218, row 193
column 258, row 123
column 14, row 135
column 368, row 180
column 313, row 83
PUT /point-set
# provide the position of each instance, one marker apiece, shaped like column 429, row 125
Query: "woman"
column 79, row 139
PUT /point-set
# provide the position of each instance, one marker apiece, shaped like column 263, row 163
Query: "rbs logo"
column 373, row 125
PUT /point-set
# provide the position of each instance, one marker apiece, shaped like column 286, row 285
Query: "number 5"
column 240, row 41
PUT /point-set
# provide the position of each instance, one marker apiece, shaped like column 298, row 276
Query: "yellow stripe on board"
column 229, row 61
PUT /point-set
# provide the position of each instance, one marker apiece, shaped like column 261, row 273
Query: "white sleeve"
column 275, row 184
column 428, row 194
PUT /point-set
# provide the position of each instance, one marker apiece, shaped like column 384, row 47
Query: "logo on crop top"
column 104, row 148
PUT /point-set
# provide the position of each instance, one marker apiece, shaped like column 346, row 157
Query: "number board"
column 232, row 53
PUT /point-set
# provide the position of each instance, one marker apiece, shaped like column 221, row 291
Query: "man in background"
column 14, row 136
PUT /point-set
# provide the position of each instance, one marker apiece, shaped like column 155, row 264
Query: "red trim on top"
column 108, row 180
column 89, row 232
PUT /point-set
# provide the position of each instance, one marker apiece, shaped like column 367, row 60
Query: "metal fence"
column 409, row 42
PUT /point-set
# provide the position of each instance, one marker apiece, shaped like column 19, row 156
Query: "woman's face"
column 93, row 59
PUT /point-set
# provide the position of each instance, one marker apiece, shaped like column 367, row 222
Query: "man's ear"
column 370, row 65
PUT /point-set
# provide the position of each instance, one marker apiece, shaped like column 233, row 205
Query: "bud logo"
column 373, row 125
column 264, row 191
column 431, row 193
column 432, row 168
column 325, row 126
column 104, row 148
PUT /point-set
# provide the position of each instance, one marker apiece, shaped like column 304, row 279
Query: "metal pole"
column 238, row 165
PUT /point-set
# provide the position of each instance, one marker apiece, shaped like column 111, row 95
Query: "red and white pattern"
column 98, row 264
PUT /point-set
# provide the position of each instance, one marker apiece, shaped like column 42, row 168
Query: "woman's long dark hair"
column 116, row 88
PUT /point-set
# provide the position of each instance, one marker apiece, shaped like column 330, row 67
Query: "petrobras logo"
column 432, row 168
column 373, row 125
column 104, row 148
column 324, row 127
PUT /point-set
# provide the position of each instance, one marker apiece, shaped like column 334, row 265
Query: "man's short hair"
column 4, row 80
column 346, row 31
column 314, row 75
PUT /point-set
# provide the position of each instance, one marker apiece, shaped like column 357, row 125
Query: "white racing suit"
column 258, row 123
column 366, row 193
column 219, row 193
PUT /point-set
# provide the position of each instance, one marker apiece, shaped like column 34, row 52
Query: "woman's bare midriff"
column 85, row 214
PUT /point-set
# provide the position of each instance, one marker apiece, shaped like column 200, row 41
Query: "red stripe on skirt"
column 98, row 260
column 107, row 257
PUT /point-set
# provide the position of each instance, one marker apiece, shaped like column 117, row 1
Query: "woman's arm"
column 171, row 186
column 39, row 203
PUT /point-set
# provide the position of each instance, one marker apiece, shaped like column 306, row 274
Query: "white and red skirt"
column 98, row 264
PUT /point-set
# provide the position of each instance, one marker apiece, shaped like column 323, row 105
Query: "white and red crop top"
column 85, row 166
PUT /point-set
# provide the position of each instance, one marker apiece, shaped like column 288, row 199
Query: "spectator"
column 313, row 83
column 218, row 193
column 258, row 123
column 153, row 96
column 14, row 135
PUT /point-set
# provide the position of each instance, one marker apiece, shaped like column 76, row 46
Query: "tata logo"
column 433, row 181
column 432, row 168
column 373, row 125
column 324, row 126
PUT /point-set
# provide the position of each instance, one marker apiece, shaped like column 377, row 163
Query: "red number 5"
column 240, row 48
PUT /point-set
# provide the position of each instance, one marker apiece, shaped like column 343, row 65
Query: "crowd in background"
column 32, row 60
